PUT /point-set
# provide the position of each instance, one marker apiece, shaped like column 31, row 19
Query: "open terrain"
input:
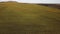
column 20, row 18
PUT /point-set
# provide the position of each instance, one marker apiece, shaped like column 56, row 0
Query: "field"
column 19, row 18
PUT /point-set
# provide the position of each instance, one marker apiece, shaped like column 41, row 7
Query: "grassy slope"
column 21, row 18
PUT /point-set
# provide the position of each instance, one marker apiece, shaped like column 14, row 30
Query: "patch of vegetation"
column 19, row 18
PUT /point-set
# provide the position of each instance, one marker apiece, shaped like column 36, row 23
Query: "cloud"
column 35, row 1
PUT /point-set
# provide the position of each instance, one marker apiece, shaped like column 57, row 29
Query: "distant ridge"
column 51, row 5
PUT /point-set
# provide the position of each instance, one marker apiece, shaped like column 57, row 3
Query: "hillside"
column 51, row 5
column 20, row 18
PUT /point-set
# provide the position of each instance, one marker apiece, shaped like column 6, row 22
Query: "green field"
column 20, row 18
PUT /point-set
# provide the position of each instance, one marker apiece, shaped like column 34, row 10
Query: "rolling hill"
column 51, row 5
column 20, row 18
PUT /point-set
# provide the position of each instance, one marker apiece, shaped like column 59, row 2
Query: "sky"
column 35, row 1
